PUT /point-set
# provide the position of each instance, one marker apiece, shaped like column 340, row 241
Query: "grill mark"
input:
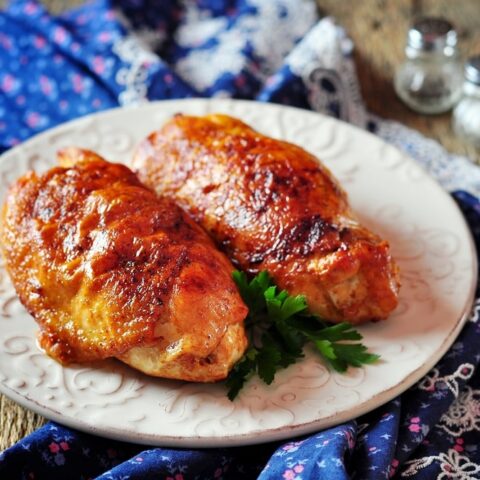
column 311, row 234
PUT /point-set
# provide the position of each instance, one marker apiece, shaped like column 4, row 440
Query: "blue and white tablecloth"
column 122, row 52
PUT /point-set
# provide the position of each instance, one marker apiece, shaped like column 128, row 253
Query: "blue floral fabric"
column 122, row 52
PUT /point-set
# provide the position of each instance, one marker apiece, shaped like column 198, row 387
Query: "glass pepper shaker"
column 466, row 115
column 430, row 80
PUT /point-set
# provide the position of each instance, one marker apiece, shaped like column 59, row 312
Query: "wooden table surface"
column 378, row 29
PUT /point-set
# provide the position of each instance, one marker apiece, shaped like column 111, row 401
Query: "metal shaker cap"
column 472, row 70
column 432, row 34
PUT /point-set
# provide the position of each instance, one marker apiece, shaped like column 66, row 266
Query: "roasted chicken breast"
column 108, row 269
column 271, row 205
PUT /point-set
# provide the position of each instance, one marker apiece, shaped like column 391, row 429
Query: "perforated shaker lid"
column 432, row 34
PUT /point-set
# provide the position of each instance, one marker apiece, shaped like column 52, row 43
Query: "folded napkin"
column 122, row 52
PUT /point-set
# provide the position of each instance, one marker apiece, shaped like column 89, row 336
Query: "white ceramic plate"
column 429, row 239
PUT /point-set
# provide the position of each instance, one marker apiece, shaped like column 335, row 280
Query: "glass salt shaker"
column 466, row 115
column 430, row 80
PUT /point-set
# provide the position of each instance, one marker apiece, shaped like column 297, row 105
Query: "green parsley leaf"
column 281, row 306
column 283, row 324
column 241, row 372
column 253, row 292
column 268, row 359
column 325, row 348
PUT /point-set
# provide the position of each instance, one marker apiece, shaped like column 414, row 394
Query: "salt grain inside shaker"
column 430, row 80
column 466, row 116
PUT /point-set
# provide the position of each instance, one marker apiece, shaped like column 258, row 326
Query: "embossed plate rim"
column 255, row 435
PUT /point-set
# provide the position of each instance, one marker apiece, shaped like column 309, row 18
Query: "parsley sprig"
column 279, row 326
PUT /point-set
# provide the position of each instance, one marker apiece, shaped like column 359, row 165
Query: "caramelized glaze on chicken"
column 108, row 269
column 272, row 206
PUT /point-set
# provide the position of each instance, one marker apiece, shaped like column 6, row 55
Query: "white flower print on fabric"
column 433, row 379
column 453, row 466
column 202, row 68
column 463, row 415
column 259, row 30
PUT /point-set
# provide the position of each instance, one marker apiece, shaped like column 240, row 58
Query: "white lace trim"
column 453, row 172
column 463, row 415
column 430, row 381
column 453, row 466
column 325, row 52
column 133, row 77
column 475, row 313
column 136, row 51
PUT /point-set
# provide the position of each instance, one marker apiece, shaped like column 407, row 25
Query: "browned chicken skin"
column 108, row 269
column 272, row 206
